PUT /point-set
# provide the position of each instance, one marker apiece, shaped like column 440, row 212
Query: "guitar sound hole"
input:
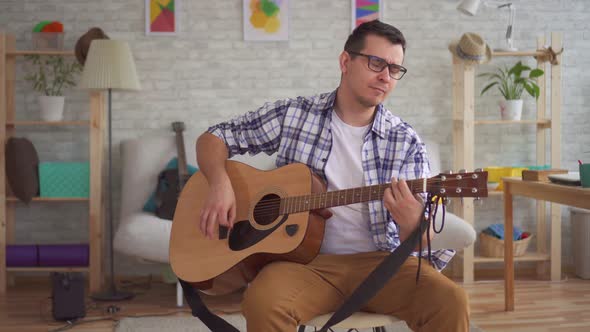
column 267, row 209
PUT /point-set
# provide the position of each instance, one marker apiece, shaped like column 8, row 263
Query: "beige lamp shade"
column 109, row 65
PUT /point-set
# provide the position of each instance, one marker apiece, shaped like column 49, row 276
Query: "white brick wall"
column 207, row 73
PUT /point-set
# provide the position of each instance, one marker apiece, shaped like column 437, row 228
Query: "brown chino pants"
column 286, row 294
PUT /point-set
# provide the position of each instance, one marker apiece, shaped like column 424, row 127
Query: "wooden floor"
column 540, row 306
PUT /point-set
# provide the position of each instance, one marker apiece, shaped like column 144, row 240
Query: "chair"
column 142, row 234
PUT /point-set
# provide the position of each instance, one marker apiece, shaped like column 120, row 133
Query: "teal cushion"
column 150, row 205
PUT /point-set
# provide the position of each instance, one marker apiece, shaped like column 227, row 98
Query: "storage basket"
column 64, row 179
column 490, row 246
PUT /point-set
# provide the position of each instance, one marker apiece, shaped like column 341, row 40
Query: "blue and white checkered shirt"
column 299, row 130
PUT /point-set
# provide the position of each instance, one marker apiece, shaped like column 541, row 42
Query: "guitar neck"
column 183, row 175
column 344, row 197
column 182, row 166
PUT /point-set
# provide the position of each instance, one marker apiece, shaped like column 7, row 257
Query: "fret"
column 341, row 197
column 288, row 209
column 285, row 205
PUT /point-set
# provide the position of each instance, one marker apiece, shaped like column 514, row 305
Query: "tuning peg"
column 478, row 170
column 462, row 170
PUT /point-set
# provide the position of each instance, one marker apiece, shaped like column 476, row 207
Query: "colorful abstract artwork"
column 266, row 20
column 365, row 11
column 161, row 17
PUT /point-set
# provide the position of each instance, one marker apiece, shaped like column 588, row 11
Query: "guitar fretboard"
column 343, row 197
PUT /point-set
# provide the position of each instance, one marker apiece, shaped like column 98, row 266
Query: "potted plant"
column 50, row 76
column 511, row 83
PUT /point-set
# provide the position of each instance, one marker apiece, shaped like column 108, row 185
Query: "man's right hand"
column 219, row 209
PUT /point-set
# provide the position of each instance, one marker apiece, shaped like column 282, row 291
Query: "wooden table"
column 561, row 194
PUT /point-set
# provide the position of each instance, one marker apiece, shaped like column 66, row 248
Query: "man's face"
column 370, row 88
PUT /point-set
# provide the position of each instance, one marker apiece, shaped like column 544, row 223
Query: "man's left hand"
column 405, row 207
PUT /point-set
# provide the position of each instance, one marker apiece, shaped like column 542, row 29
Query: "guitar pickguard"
column 243, row 235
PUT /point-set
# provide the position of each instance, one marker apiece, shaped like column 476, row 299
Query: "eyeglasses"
column 377, row 65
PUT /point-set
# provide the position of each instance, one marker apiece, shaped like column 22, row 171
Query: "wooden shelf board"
column 47, row 123
column 51, row 199
column 35, row 52
column 517, row 53
column 495, row 192
column 48, row 269
column 528, row 257
column 500, row 122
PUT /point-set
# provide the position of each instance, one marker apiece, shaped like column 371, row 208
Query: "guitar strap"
column 364, row 292
column 200, row 310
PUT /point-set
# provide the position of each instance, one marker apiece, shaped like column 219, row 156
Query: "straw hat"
column 83, row 43
column 471, row 48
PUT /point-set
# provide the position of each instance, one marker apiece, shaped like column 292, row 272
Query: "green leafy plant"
column 512, row 83
column 52, row 74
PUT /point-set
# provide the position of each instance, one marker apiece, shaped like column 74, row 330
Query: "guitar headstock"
column 462, row 184
column 178, row 126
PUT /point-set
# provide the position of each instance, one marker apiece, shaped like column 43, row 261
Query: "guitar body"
column 260, row 234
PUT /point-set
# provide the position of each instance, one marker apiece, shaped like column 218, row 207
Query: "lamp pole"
column 112, row 294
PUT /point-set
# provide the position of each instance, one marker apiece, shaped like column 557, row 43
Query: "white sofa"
column 143, row 235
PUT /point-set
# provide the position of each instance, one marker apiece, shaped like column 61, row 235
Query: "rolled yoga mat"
column 63, row 255
column 21, row 255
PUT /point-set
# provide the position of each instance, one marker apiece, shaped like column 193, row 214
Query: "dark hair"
column 356, row 40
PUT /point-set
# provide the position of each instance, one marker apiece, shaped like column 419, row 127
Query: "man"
column 348, row 139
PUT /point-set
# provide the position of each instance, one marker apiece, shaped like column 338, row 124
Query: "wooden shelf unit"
column 548, row 120
column 96, row 124
column 528, row 257
column 21, row 123
column 12, row 199
column 49, row 269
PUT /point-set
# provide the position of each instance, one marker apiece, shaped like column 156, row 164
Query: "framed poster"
column 365, row 11
column 161, row 17
column 266, row 20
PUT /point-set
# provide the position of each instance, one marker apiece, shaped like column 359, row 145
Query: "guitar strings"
column 270, row 205
column 267, row 208
column 418, row 186
column 314, row 196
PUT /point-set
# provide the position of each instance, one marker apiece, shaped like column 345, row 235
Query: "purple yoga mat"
column 21, row 255
column 63, row 255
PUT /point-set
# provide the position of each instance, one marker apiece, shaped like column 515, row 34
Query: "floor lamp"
column 470, row 7
column 109, row 66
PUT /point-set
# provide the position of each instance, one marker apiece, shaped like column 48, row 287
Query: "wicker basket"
column 490, row 246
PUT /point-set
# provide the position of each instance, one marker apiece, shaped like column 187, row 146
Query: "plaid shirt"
column 299, row 130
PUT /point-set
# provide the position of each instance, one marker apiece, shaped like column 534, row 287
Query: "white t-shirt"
column 347, row 231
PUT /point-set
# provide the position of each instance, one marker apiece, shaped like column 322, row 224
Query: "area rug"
column 191, row 324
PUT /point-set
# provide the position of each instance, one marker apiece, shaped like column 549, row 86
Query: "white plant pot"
column 51, row 108
column 511, row 109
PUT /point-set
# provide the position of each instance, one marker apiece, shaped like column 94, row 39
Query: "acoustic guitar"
column 173, row 180
column 273, row 221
